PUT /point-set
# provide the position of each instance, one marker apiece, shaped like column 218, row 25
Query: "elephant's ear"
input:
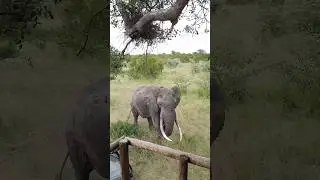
column 176, row 93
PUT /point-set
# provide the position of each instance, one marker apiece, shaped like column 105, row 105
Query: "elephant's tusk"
column 180, row 132
column 162, row 131
column 178, row 124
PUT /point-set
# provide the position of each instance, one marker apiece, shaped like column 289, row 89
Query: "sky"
column 184, row 43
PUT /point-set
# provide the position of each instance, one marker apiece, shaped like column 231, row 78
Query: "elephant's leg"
column 135, row 115
column 82, row 167
column 150, row 123
column 97, row 156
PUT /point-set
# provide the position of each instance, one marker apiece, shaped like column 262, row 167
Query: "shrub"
column 117, row 62
column 185, row 59
column 195, row 67
column 240, row 2
column 121, row 128
column 149, row 68
column 204, row 66
column 183, row 84
column 173, row 63
column 8, row 50
column 204, row 87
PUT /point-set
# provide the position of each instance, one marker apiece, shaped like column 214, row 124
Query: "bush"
column 195, row 67
column 182, row 84
column 185, row 59
column 204, row 87
column 8, row 50
column 240, row 2
column 173, row 63
column 117, row 62
column 205, row 66
column 149, row 68
column 121, row 128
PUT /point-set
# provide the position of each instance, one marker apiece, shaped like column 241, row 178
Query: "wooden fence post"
column 183, row 167
column 124, row 159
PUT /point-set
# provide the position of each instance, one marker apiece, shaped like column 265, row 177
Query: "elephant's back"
column 144, row 92
column 145, row 88
column 141, row 97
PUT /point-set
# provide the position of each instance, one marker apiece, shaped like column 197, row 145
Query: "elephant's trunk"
column 167, row 120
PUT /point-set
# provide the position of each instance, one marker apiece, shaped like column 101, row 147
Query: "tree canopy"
column 143, row 20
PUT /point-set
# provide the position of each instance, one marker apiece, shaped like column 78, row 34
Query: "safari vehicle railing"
column 184, row 157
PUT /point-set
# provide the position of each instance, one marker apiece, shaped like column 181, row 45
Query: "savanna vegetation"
column 40, row 75
column 193, row 112
column 266, row 56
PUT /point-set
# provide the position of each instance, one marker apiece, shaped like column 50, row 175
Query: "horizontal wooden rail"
column 115, row 144
column 193, row 159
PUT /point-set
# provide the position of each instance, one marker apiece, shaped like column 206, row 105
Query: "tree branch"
column 170, row 14
column 87, row 31
column 124, row 49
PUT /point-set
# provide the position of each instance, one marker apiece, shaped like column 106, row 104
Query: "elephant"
column 217, row 108
column 86, row 132
column 157, row 104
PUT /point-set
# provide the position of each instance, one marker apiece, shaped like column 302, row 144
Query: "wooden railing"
column 184, row 157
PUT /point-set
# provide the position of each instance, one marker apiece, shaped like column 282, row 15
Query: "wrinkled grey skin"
column 217, row 109
column 153, row 102
column 86, row 132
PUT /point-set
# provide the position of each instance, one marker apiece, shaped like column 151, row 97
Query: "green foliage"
column 204, row 66
column 127, row 13
column 195, row 67
column 19, row 18
column 204, row 87
column 240, row 2
column 77, row 17
column 140, row 67
column 121, row 128
column 293, row 26
column 183, row 57
column 199, row 55
column 8, row 50
column 173, row 63
column 282, row 17
column 117, row 62
column 182, row 83
column 231, row 73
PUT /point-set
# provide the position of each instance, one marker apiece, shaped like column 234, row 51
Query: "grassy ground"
column 193, row 114
column 34, row 109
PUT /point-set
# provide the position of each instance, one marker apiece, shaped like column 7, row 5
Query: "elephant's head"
column 168, row 99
